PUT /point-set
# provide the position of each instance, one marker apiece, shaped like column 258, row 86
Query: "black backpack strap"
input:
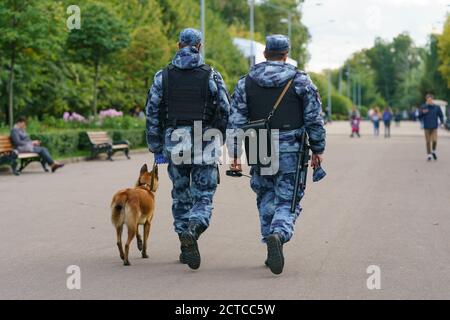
column 165, row 83
column 248, row 83
column 208, row 69
column 165, row 98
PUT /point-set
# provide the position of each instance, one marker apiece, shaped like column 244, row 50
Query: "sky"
column 342, row 27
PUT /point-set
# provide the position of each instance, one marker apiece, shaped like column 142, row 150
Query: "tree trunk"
column 94, row 102
column 11, row 78
column 11, row 87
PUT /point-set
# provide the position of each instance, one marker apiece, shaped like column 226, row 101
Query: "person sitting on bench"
column 23, row 143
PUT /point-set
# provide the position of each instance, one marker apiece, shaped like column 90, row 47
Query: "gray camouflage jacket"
column 158, row 139
column 277, row 74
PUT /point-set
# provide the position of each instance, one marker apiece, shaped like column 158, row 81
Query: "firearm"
column 301, row 172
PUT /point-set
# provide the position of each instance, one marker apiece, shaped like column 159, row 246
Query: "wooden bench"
column 102, row 143
column 10, row 156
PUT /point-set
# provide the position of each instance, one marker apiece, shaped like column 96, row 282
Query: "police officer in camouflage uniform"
column 185, row 93
column 300, row 110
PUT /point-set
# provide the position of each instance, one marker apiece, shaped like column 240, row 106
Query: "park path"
column 382, row 204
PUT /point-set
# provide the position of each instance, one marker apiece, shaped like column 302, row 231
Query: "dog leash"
column 154, row 170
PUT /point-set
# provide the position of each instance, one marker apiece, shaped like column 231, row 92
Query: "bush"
column 69, row 142
column 52, row 123
column 59, row 143
column 122, row 123
column 341, row 105
column 135, row 137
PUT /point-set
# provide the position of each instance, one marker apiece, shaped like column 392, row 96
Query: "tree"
column 394, row 64
column 101, row 35
column 444, row 52
column 22, row 26
column 272, row 17
column 148, row 52
column 432, row 80
column 360, row 69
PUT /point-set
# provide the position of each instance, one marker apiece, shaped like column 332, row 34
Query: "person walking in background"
column 387, row 119
column 429, row 114
column 24, row 144
column 397, row 117
column 355, row 120
column 370, row 114
column 375, row 118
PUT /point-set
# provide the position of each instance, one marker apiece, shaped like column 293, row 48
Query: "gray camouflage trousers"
column 274, row 194
column 192, row 194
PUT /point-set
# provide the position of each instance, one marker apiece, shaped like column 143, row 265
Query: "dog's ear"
column 144, row 169
column 155, row 170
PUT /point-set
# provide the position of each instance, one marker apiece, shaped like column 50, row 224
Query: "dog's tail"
column 118, row 208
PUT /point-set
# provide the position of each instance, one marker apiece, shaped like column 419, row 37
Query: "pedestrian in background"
column 387, row 119
column 397, row 117
column 23, row 144
column 375, row 118
column 355, row 120
column 429, row 114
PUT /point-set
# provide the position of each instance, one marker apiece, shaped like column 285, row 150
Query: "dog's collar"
column 146, row 187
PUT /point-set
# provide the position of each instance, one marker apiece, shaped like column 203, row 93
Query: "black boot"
column 183, row 251
column 189, row 241
column 275, row 258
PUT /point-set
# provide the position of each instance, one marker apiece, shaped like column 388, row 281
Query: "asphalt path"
column 381, row 205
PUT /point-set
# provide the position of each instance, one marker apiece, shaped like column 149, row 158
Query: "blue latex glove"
column 161, row 159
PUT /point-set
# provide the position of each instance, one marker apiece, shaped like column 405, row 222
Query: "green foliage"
column 70, row 142
column 341, row 105
column 444, row 53
column 49, row 123
column 395, row 65
column 122, row 123
column 122, row 44
column 58, row 143
column 268, row 15
column 101, row 35
column 135, row 137
column 31, row 39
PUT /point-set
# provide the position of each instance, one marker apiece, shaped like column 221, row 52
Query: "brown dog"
column 134, row 207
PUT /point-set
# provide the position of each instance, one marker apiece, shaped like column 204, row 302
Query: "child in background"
column 355, row 120
column 376, row 121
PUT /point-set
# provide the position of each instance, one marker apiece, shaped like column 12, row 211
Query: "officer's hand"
column 161, row 159
column 316, row 160
column 235, row 166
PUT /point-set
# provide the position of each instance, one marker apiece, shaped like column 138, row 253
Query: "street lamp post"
column 359, row 93
column 252, row 32
column 329, row 103
column 202, row 5
column 349, row 83
column 290, row 26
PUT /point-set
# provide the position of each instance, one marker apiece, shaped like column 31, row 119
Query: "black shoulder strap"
column 165, row 84
column 248, row 82
column 208, row 69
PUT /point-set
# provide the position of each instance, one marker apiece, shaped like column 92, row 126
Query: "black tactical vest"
column 186, row 96
column 260, row 102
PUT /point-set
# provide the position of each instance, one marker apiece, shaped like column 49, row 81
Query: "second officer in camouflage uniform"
column 188, row 91
column 275, row 192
